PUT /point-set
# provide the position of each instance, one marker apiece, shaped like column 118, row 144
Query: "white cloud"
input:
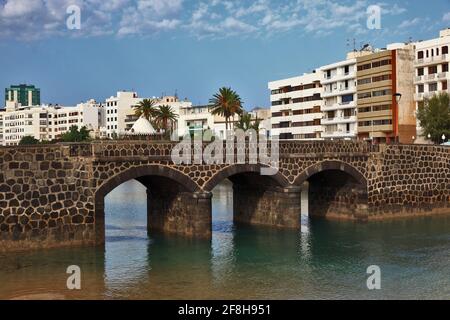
column 409, row 23
column 33, row 19
column 446, row 17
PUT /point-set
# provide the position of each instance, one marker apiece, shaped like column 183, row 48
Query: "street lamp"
column 398, row 97
column 443, row 138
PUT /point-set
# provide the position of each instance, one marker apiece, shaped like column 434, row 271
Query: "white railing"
column 431, row 59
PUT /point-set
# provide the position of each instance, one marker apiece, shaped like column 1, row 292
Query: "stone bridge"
column 53, row 195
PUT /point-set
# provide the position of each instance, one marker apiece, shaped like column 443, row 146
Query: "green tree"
column 226, row 103
column 146, row 108
column 164, row 116
column 28, row 140
column 434, row 117
column 76, row 135
column 246, row 122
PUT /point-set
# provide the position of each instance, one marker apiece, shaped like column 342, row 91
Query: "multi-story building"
column 195, row 119
column 339, row 100
column 296, row 107
column 47, row 122
column 2, row 112
column 431, row 70
column 25, row 95
column 385, row 95
column 120, row 114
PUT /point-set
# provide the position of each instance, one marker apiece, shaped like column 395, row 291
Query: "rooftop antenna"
column 354, row 43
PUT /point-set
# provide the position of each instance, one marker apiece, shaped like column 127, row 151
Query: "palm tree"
column 146, row 108
column 165, row 115
column 226, row 103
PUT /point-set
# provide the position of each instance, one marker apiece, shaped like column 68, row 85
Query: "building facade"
column 47, row 122
column 339, row 100
column 23, row 94
column 431, row 70
column 385, row 95
column 296, row 107
column 120, row 114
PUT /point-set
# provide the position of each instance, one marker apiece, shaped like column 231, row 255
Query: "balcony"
column 428, row 95
column 339, row 106
column 338, row 92
column 338, row 77
column 431, row 60
column 339, row 134
column 338, row 120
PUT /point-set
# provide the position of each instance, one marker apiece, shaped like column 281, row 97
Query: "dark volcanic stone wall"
column 45, row 195
column 408, row 180
column 53, row 195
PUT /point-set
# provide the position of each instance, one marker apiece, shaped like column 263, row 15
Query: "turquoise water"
column 325, row 260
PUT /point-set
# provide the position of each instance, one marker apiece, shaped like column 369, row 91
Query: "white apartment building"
column 194, row 119
column 120, row 113
column 431, row 70
column 339, row 100
column 46, row 122
column 2, row 112
column 296, row 107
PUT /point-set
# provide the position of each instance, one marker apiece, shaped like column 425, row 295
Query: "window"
column 381, row 78
column 364, row 67
column 364, row 95
column 432, row 70
column 420, row 72
column 432, row 87
column 445, row 50
column 381, row 107
column 347, row 98
column 364, row 81
column 286, row 136
column 444, row 85
column 420, row 88
column 420, row 55
column 365, row 109
column 380, row 93
column 445, row 67
column 346, row 69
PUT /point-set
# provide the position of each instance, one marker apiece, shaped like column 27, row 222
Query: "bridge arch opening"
column 333, row 189
column 174, row 203
column 258, row 199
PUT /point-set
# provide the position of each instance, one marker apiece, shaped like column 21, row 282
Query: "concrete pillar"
column 273, row 206
column 183, row 213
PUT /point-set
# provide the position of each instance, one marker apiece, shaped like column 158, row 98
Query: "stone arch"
column 149, row 170
column 331, row 165
column 242, row 168
column 334, row 189
column 184, row 186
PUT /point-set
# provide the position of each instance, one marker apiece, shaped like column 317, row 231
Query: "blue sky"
column 194, row 47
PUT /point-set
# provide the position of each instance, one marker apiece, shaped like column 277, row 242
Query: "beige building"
column 385, row 95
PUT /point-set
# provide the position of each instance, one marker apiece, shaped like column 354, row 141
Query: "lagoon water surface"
column 325, row 260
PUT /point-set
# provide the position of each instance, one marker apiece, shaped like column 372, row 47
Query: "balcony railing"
column 431, row 59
